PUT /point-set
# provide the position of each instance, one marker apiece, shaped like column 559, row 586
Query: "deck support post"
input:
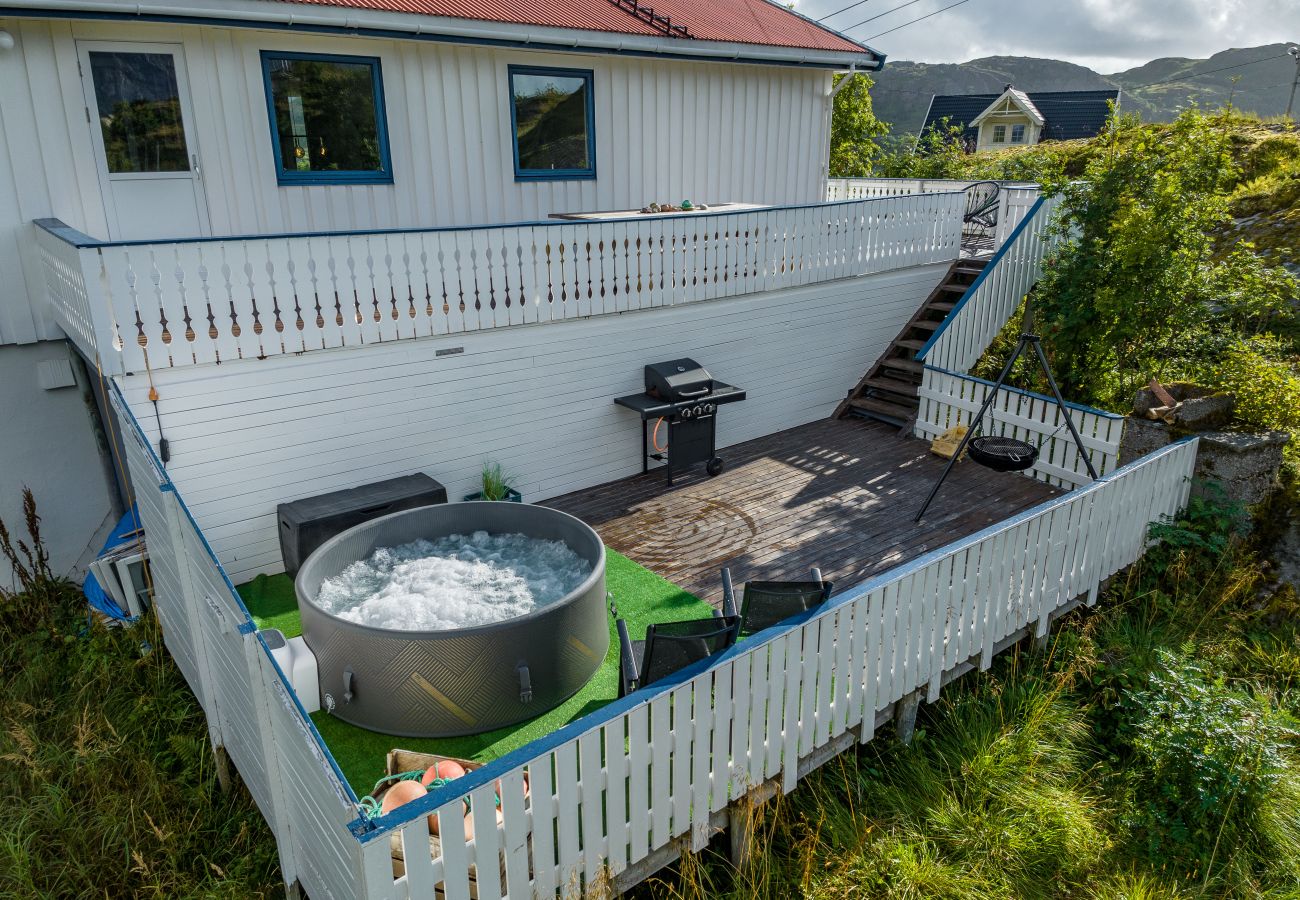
column 740, row 832
column 222, row 759
column 905, row 716
column 1040, row 642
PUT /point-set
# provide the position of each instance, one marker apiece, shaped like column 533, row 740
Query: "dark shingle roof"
column 1069, row 114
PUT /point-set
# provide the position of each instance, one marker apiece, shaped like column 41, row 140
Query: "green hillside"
column 1156, row 90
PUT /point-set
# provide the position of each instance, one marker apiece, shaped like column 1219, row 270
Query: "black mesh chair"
column 669, row 647
column 981, row 209
column 767, row 603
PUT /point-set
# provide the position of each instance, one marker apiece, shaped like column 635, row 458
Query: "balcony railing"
column 160, row 304
column 1014, row 201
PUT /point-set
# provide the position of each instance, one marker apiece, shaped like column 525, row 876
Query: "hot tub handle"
column 347, row 685
column 525, row 684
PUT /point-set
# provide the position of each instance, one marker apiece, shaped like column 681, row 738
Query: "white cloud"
column 1107, row 35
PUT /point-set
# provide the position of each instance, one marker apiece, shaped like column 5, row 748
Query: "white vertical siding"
column 248, row 435
column 45, row 166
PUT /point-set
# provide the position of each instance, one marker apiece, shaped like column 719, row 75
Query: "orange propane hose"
column 654, row 437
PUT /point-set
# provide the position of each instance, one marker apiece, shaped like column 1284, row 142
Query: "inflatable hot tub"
column 463, row 680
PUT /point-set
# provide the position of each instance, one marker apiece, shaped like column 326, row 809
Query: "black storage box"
column 306, row 524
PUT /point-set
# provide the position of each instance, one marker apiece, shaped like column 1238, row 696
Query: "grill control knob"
column 709, row 408
column 699, row 410
column 686, row 412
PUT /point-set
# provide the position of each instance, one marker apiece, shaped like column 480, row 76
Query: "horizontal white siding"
column 245, row 436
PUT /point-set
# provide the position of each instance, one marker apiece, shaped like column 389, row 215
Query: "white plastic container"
column 298, row 664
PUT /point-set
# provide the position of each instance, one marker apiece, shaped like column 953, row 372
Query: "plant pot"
column 512, row 496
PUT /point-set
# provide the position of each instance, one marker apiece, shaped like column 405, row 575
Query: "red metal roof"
column 736, row 21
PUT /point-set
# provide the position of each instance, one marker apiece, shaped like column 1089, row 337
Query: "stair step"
column 941, row 305
column 971, row 267
column 909, row 344
column 893, row 386
column 954, row 288
column 903, row 365
column 897, row 412
column 925, row 324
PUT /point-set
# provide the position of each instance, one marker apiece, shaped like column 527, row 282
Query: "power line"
column 1206, row 72
column 881, row 15
column 914, row 21
column 838, row 11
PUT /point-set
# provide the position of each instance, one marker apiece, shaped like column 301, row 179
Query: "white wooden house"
column 298, row 247
column 176, row 121
column 1016, row 118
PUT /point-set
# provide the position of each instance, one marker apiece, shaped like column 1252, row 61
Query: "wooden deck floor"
column 839, row 494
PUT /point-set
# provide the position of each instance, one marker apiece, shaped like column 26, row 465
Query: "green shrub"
column 1208, row 757
column 1276, row 153
column 1265, row 381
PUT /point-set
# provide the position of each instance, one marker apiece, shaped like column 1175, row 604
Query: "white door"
column 138, row 104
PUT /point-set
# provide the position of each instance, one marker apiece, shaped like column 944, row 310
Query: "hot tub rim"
column 597, row 572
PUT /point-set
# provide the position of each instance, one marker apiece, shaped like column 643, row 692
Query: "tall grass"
column 107, row 781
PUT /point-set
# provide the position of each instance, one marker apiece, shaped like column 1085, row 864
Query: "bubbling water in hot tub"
column 456, row 581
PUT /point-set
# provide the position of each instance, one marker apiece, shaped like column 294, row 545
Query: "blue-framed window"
column 327, row 118
column 552, row 123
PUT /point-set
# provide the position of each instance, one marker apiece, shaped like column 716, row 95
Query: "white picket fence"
column 586, row 808
column 1014, row 200
column 204, row 301
column 950, row 398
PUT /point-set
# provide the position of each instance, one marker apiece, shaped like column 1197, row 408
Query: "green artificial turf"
column 641, row 596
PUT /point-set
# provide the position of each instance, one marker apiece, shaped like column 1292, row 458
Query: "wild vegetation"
column 107, row 783
column 1178, row 264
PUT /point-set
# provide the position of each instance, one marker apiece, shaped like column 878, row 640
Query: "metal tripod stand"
column 1027, row 339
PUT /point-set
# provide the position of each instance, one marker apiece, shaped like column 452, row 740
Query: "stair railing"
column 949, row 395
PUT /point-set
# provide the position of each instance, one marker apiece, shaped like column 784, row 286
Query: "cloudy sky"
column 1106, row 35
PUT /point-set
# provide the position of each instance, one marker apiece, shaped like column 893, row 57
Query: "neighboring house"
column 259, row 117
column 1014, row 117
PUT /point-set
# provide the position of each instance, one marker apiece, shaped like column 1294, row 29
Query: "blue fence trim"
column 67, row 233
column 77, row 239
column 368, row 830
column 1079, row 407
column 248, row 626
column 979, row 279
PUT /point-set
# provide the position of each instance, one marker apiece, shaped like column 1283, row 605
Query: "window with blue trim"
column 327, row 118
column 552, row 118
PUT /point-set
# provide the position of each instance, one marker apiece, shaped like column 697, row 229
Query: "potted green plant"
column 497, row 485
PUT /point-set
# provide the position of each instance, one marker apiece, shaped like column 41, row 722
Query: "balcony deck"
column 839, row 494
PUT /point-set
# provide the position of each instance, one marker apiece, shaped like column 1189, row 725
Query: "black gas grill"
column 682, row 400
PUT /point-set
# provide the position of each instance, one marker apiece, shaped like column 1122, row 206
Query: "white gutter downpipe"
column 844, row 82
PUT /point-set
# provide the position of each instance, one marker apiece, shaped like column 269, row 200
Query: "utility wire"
column 838, row 11
column 914, row 21
column 881, row 16
column 1207, row 71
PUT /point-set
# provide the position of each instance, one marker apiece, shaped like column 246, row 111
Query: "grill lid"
column 677, row 379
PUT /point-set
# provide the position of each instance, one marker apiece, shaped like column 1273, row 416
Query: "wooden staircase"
column 888, row 391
